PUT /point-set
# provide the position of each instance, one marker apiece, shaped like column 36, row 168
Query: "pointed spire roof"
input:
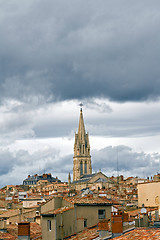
column 81, row 128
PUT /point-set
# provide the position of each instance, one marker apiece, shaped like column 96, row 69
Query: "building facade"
column 33, row 180
column 148, row 194
column 73, row 216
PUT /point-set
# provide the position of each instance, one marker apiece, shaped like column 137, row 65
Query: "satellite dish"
column 143, row 210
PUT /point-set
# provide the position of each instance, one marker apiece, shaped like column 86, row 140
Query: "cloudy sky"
column 55, row 54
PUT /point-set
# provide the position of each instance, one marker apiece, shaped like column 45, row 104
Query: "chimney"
column 20, row 214
column 3, row 227
column 24, row 230
column 49, row 175
column 117, row 223
column 44, row 175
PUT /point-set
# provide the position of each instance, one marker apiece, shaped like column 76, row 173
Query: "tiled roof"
column 14, row 212
column 141, row 234
column 6, row 236
column 87, row 234
column 85, row 178
column 36, row 232
column 134, row 213
column 59, row 210
column 88, row 175
column 101, row 180
column 89, row 200
column 13, row 230
column 34, row 197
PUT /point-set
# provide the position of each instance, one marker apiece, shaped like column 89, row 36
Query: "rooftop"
column 87, row 234
column 35, row 231
column 141, row 234
column 89, row 200
column 59, row 210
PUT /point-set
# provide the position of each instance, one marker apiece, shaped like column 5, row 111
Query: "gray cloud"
column 17, row 165
column 127, row 162
column 74, row 50
column 7, row 161
column 102, row 118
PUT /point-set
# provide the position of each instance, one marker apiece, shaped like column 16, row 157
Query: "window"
column 85, row 223
column 101, row 214
column 49, row 225
column 85, row 167
column 81, row 168
column 83, row 149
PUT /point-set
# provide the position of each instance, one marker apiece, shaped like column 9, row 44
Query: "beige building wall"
column 90, row 213
column 52, row 204
column 79, row 186
column 149, row 194
column 65, row 224
column 72, row 221
column 27, row 203
column 46, row 233
column 62, row 225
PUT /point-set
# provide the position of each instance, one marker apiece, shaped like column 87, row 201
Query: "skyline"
column 57, row 54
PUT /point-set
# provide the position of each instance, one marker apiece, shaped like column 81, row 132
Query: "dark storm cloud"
column 74, row 49
column 62, row 165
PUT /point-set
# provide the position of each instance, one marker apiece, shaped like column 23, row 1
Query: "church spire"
column 81, row 128
column 82, row 158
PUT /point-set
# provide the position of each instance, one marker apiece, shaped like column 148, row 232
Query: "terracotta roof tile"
column 141, row 234
column 89, row 200
column 14, row 212
column 6, row 236
column 59, row 210
column 87, row 234
column 35, row 231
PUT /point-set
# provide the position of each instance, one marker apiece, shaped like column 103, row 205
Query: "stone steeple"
column 82, row 157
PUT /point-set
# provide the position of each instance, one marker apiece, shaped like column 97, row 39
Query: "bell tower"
column 82, row 157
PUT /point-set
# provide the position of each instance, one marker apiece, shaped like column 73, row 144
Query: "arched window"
column 81, row 168
column 83, row 149
column 85, row 168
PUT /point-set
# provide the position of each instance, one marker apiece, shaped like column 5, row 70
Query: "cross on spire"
column 81, row 105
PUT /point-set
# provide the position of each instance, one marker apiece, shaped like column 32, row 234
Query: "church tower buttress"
column 82, row 157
